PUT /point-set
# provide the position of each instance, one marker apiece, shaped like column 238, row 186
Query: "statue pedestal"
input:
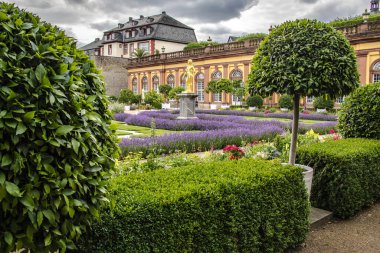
column 187, row 105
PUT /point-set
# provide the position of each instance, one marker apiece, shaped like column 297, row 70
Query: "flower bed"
column 314, row 116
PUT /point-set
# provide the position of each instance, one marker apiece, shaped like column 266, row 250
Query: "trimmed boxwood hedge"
column 346, row 174
column 234, row 206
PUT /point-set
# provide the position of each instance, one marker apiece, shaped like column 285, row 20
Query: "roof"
column 232, row 39
column 164, row 27
column 95, row 44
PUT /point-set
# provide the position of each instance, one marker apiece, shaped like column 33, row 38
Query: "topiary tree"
column 173, row 93
column 323, row 103
column 286, row 101
column 57, row 149
column 255, row 101
column 359, row 116
column 127, row 96
column 154, row 99
column 164, row 90
column 303, row 58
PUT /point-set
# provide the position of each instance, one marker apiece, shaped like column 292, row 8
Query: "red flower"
column 332, row 131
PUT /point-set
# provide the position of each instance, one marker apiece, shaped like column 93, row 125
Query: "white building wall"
column 169, row 46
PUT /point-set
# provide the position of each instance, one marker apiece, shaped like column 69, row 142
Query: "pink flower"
column 332, row 131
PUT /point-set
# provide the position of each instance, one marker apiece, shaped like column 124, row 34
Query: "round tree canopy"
column 304, row 57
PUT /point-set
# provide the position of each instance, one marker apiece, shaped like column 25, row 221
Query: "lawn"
column 138, row 131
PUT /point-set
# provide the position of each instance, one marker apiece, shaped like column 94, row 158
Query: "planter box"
column 165, row 105
column 127, row 108
column 321, row 110
column 284, row 109
column 213, row 106
column 252, row 108
column 224, row 106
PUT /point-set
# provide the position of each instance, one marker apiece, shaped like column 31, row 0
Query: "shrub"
column 175, row 91
column 323, row 103
column 346, row 174
column 154, row 99
column 57, row 149
column 360, row 113
column 128, row 97
column 252, row 36
column 165, row 89
column 200, row 44
column 231, row 206
column 255, row 101
column 116, row 107
column 286, row 101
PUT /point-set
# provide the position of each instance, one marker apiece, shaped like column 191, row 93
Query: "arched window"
column 171, row 80
column 134, row 86
column 215, row 76
column 155, row 82
column 237, row 75
column 375, row 72
column 183, row 81
column 144, row 84
column 200, row 79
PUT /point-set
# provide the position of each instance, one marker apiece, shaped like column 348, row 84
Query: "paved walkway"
column 360, row 234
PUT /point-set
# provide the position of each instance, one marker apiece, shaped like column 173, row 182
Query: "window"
column 340, row 100
column 309, row 100
column 237, row 75
column 131, row 49
column 148, row 30
column 183, row 81
column 109, row 36
column 375, row 72
column 142, row 31
column 134, row 86
column 171, row 80
column 216, row 76
column 134, row 32
column 144, row 84
column 120, row 45
column 109, row 49
column 155, row 82
column 200, row 79
column 125, row 50
column 127, row 34
column 144, row 45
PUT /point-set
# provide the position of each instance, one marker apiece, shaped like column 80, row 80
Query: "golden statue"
column 190, row 72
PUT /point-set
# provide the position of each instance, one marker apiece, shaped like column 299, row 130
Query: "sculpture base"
column 187, row 106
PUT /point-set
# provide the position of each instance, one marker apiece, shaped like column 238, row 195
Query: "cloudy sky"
column 86, row 19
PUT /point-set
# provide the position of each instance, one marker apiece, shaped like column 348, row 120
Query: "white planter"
column 213, row 106
column 307, row 176
column 321, row 110
column 284, row 109
column 165, row 105
column 224, row 106
column 127, row 108
column 252, row 108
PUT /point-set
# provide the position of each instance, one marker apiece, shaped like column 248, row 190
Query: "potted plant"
column 255, row 102
column 286, row 103
column 323, row 104
column 303, row 58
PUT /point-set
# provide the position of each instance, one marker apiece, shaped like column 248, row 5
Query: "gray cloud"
column 39, row 4
column 309, row 1
column 102, row 26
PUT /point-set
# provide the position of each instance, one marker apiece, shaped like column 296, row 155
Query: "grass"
column 140, row 131
column 306, row 121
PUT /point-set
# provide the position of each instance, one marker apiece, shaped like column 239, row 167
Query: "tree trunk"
column 296, row 115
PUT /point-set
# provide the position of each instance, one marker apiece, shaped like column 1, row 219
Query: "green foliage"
column 341, row 22
column 346, row 174
column 200, row 44
column 304, row 57
column 252, row 36
column 255, row 101
column 139, row 53
column 230, row 206
column 57, row 149
column 116, row 107
column 128, row 97
column 360, row 113
column 286, row 101
column 154, row 99
column 175, row 91
column 113, row 98
column 164, row 89
column 221, row 85
column 323, row 103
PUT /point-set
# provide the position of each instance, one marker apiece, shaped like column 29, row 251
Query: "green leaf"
column 68, row 192
column 21, row 128
column 50, row 216
column 40, row 72
column 2, row 178
column 12, row 189
column 62, row 130
column 27, row 201
column 29, row 115
column 47, row 240
column 3, row 17
column 93, row 116
column 8, row 237
column 40, row 218
column 45, row 82
column 75, row 145
column 6, row 160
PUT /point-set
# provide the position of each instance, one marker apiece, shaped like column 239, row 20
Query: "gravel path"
column 360, row 234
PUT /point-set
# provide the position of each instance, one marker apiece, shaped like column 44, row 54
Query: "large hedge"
column 56, row 148
column 346, row 174
column 234, row 206
column 360, row 113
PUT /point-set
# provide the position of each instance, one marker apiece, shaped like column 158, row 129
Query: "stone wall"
column 114, row 70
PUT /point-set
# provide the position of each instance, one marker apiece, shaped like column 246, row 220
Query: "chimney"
column 164, row 12
column 141, row 16
column 130, row 19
